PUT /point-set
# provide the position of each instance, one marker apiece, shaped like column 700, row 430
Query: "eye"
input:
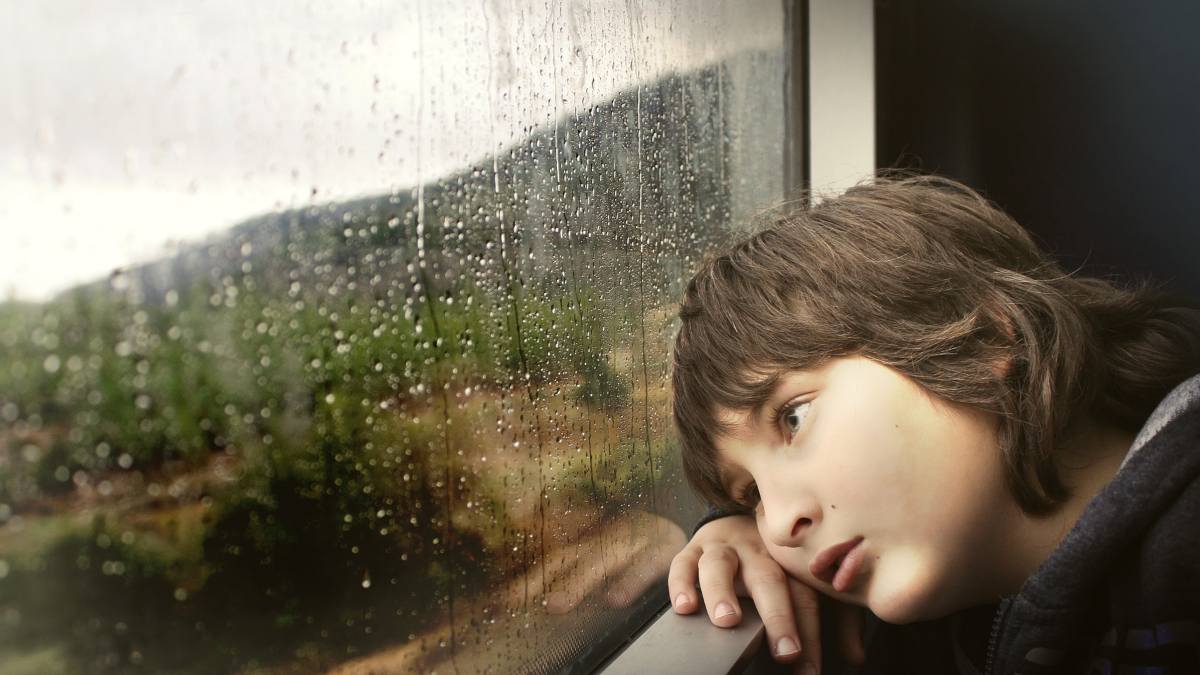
column 792, row 416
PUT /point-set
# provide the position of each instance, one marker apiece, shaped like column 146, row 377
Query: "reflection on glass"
column 406, row 429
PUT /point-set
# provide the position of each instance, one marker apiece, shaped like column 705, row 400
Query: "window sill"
column 674, row 643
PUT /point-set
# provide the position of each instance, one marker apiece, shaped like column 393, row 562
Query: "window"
column 338, row 337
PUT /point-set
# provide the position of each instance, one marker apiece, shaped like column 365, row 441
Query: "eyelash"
column 777, row 414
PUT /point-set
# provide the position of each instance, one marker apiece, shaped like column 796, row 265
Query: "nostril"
column 800, row 526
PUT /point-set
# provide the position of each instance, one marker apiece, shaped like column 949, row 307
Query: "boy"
column 896, row 399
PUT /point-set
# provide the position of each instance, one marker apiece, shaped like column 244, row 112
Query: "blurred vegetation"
column 305, row 396
column 325, row 358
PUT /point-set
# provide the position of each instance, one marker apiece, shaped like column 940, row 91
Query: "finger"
column 682, row 578
column 807, row 605
column 851, row 622
column 768, row 586
column 717, row 568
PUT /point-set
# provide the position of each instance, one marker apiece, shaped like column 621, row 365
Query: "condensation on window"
column 336, row 337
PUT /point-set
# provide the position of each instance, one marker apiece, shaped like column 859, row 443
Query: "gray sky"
column 127, row 126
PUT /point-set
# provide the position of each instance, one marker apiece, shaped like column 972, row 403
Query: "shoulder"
column 1160, row 580
column 1181, row 406
column 1170, row 551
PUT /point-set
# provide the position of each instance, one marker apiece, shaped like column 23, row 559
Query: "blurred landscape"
column 399, row 421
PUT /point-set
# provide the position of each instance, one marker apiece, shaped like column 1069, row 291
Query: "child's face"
column 863, row 451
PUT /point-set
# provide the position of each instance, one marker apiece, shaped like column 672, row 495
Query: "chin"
column 904, row 598
column 896, row 610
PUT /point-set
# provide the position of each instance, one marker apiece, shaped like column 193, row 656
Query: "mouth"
column 839, row 565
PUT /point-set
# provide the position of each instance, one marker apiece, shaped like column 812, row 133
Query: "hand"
column 728, row 558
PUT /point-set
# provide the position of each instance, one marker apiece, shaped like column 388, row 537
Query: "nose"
column 787, row 516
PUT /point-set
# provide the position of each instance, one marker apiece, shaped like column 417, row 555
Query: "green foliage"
column 334, row 540
column 108, row 591
column 296, row 344
column 347, row 523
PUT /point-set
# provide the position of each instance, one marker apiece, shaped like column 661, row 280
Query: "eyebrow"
column 769, row 395
column 766, row 395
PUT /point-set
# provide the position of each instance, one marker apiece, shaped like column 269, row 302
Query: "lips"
column 838, row 565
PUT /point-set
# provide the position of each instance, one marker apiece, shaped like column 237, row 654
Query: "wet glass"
column 336, row 337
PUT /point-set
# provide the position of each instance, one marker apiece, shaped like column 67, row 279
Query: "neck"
column 1087, row 463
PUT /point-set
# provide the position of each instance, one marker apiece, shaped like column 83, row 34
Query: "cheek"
column 871, row 471
column 910, row 468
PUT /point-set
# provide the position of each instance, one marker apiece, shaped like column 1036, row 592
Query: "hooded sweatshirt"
column 1120, row 594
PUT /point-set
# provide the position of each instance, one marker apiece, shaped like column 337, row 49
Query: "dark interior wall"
column 1078, row 117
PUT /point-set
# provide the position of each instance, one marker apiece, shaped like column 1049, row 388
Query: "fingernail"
column 808, row 669
column 724, row 609
column 786, row 647
column 681, row 600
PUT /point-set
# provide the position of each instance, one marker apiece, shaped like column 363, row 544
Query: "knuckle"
column 801, row 589
column 759, row 547
column 806, row 603
column 718, row 555
column 776, row 617
column 681, row 559
column 766, row 577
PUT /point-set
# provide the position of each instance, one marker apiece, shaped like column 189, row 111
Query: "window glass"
column 336, row 335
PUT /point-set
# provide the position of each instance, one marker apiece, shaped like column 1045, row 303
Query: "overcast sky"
column 126, row 125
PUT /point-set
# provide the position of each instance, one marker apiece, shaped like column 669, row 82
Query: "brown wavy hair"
column 926, row 276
